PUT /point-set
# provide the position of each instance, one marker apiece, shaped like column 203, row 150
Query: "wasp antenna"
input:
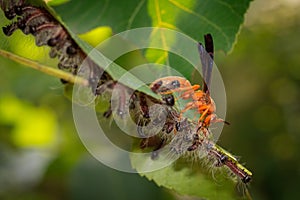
column 227, row 123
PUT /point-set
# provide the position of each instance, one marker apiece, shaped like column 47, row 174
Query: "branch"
column 45, row 69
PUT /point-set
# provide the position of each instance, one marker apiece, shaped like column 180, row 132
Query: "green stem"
column 45, row 69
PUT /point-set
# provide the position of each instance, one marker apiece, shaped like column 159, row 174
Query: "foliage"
column 250, row 101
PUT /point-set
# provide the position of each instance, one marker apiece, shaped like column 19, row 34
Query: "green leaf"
column 56, row 2
column 118, row 14
column 197, row 17
column 193, row 17
column 187, row 177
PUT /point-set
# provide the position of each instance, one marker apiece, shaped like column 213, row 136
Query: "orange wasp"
column 200, row 99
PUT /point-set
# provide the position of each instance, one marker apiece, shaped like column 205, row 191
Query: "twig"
column 45, row 69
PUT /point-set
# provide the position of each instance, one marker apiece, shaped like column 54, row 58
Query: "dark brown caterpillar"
column 38, row 22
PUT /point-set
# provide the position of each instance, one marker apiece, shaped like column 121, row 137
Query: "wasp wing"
column 206, row 57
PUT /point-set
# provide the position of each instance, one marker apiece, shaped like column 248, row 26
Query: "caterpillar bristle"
column 10, row 29
column 10, row 14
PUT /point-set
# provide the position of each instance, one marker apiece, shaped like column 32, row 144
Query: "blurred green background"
column 41, row 156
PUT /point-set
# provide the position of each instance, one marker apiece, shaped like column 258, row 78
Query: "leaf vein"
column 182, row 7
column 231, row 8
column 134, row 13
